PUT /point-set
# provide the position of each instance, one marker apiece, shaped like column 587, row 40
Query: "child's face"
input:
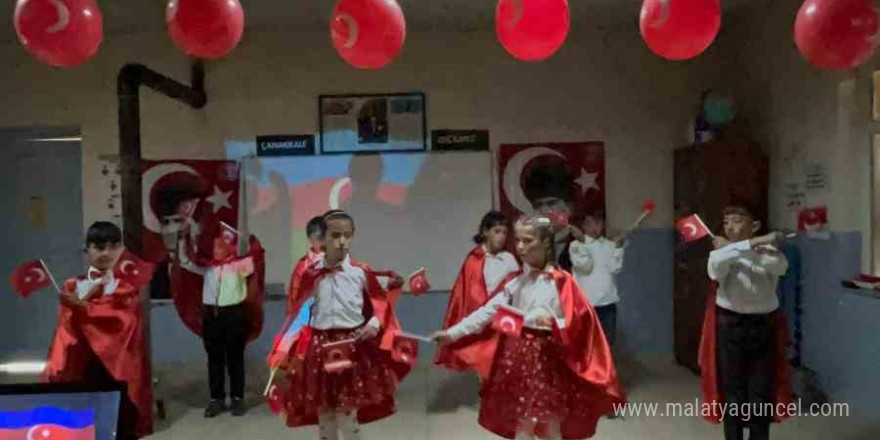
column 594, row 227
column 337, row 242
column 103, row 256
column 496, row 238
column 739, row 227
column 530, row 248
column 222, row 250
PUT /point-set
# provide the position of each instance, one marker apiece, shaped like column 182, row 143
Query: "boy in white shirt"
column 595, row 262
column 747, row 269
column 225, row 323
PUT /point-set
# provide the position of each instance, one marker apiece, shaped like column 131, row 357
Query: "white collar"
column 345, row 263
column 528, row 270
column 497, row 256
column 109, row 275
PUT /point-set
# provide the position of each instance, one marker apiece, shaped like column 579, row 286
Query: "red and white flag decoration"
column 276, row 399
column 692, row 228
column 558, row 218
column 418, row 282
column 508, row 320
column 133, row 270
column 30, row 277
column 814, row 222
column 405, row 349
column 338, row 355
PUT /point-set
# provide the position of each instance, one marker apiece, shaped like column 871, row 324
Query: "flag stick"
column 704, row 225
column 226, row 225
column 52, row 278
column 269, row 384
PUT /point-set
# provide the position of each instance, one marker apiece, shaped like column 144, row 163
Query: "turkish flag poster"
column 199, row 193
column 561, row 179
column 191, row 195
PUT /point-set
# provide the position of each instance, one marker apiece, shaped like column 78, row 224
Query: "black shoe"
column 238, row 408
column 215, row 407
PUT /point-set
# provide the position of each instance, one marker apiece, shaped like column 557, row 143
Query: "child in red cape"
column 99, row 337
column 558, row 377
column 743, row 349
column 349, row 304
column 484, row 269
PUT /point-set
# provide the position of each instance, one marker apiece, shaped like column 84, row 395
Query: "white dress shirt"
column 747, row 278
column 594, row 264
column 95, row 277
column 497, row 267
column 533, row 292
column 339, row 298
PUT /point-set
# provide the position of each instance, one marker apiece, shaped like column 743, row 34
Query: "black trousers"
column 224, row 333
column 608, row 319
column 745, row 372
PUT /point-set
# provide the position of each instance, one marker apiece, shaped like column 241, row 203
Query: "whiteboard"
column 411, row 210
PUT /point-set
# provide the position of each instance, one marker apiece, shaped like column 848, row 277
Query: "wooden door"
column 709, row 177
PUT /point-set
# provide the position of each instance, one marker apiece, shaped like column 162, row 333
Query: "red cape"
column 709, row 369
column 587, row 355
column 295, row 279
column 468, row 294
column 381, row 305
column 110, row 329
column 186, row 289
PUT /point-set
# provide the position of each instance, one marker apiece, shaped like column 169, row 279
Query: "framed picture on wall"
column 393, row 122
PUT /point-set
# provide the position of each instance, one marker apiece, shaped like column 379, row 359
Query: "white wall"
column 603, row 85
column 802, row 115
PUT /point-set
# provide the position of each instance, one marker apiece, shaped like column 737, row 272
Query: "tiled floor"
column 437, row 405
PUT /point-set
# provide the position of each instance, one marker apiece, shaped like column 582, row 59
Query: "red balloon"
column 531, row 30
column 61, row 33
column 836, row 34
column 679, row 29
column 368, row 34
column 205, row 28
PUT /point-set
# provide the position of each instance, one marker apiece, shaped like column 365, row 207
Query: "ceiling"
column 121, row 16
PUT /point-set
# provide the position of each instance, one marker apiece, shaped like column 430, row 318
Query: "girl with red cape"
column 347, row 374
column 557, row 377
column 484, row 269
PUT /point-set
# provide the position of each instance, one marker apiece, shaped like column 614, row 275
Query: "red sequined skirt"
column 369, row 381
column 530, row 381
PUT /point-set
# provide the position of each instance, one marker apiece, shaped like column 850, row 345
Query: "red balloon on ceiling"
column 531, row 30
column 205, row 28
column 679, row 29
column 368, row 34
column 61, row 33
column 836, row 34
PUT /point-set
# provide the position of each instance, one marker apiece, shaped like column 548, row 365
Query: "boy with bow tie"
column 99, row 337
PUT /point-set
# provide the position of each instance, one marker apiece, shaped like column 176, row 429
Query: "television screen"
column 58, row 411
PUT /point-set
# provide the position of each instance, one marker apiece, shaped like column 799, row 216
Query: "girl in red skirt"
column 347, row 375
column 484, row 269
column 557, row 377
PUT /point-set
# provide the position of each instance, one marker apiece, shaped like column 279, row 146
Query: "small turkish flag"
column 418, row 282
column 405, row 349
column 559, row 218
column 276, row 399
column 29, row 277
column 692, row 228
column 337, row 355
column 810, row 219
column 508, row 320
column 649, row 207
column 134, row 270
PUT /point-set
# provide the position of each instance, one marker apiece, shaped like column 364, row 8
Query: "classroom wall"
column 603, row 85
column 805, row 117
